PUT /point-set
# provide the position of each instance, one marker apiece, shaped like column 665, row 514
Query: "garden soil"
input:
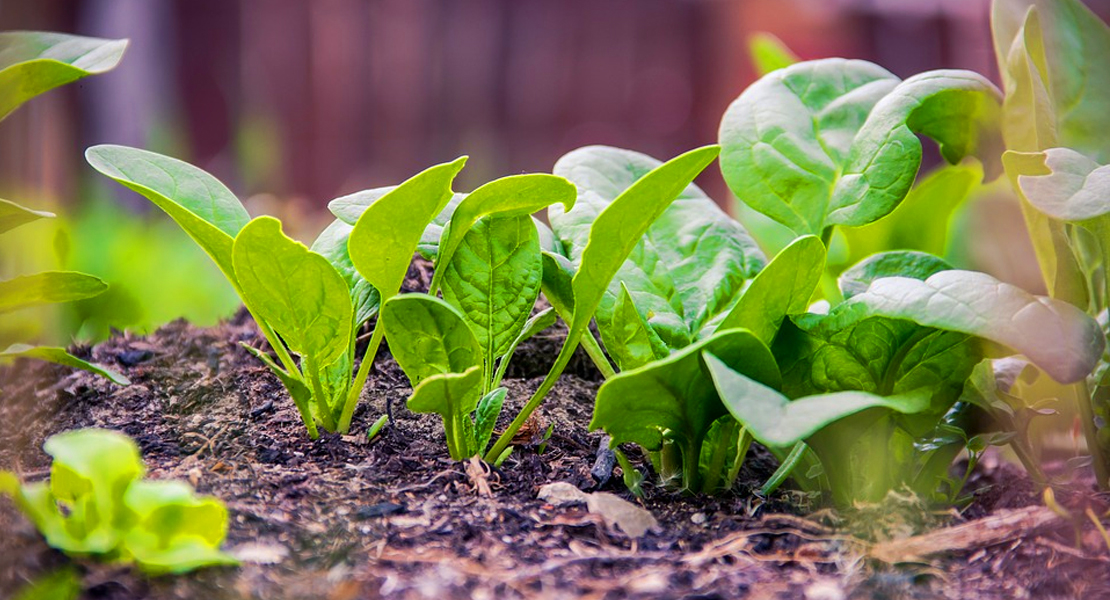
column 343, row 518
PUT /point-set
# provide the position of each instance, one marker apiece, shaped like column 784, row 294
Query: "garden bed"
column 342, row 517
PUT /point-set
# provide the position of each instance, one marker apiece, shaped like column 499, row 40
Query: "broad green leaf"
column 922, row 221
column 1057, row 337
column 630, row 340
column 958, row 109
column 689, row 265
column 485, row 417
column 494, row 279
column 834, row 142
column 898, row 263
column 198, row 202
column 296, row 291
column 59, row 356
column 777, row 421
column 785, row 140
column 13, row 215
column 674, row 398
column 769, row 53
column 782, row 288
column 453, row 396
column 850, row 349
column 332, row 245
column 176, row 530
column 1063, row 183
column 33, row 62
column 428, row 336
column 48, row 288
column 535, row 324
column 519, row 195
column 349, row 208
column 387, row 233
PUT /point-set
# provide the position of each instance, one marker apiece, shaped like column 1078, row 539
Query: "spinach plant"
column 1051, row 57
column 455, row 351
column 310, row 303
column 97, row 503
column 32, row 63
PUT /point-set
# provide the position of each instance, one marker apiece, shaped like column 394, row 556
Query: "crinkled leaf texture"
column 688, row 267
column 897, row 263
column 494, row 278
column 674, row 400
column 833, row 142
column 1063, row 184
column 33, row 62
column 1057, row 337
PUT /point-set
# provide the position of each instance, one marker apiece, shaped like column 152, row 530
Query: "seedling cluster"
column 862, row 379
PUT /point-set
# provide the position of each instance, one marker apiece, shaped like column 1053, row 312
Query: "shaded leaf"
column 59, row 356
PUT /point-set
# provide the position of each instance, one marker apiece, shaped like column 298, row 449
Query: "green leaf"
column 485, row 418
column 519, row 195
column 61, row 584
column 1057, row 337
column 387, row 233
column 48, row 288
column 558, row 283
column 775, row 420
column 630, row 340
column 198, row 202
column 673, row 399
column 428, row 336
column 294, row 290
column 898, row 263
column 769, row 53
column 176, row 530
column 782, row 288
column 689, row 265
column 833, row 142
column 922, row 221
column 494, row 279
column 349, row 208
column 613, row 235
column 1063, row 183
column 332, row 245
column 537, row 323
column 13, row 215
column 33, row 62
column 453, row 396
column 59, row 356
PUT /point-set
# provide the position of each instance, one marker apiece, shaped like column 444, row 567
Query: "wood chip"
column 1002, row 526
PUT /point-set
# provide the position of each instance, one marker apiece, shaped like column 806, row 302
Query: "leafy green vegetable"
column 898, row 263
column 429, row 337
column 687, row 269
column 61, row 357
column 332, row 245
column 453, row 396
column 1054, row 335
column 673, row 402
column 615, row 232
column 833, row 142
column 96, row 503
column 769, row 53
column 33, row 62
column 306, row 301
column 834, row 425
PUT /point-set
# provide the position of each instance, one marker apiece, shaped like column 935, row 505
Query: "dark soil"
column 342, row 518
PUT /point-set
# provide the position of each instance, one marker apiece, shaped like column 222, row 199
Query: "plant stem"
column 360, row 380
column 561, row 361
column 597, row 355
column 1090, row 432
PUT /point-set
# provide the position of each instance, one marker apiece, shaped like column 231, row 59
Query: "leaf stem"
column 353, row 394
column 597, row 355
column 1084, row 399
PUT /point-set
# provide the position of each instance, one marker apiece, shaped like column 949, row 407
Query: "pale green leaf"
column 61, row 357
column 33, row 62
column 13, row 215
column 332, row 245
column 898, row 263
column 769, row 53
column 48, row 288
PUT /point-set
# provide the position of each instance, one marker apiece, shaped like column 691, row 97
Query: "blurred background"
column 293, row 103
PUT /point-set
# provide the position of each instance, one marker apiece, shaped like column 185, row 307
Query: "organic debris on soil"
column 344, row 518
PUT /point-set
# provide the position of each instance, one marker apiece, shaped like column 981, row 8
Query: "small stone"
column 560, row 493
column 382, row 509
column 699, row 518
